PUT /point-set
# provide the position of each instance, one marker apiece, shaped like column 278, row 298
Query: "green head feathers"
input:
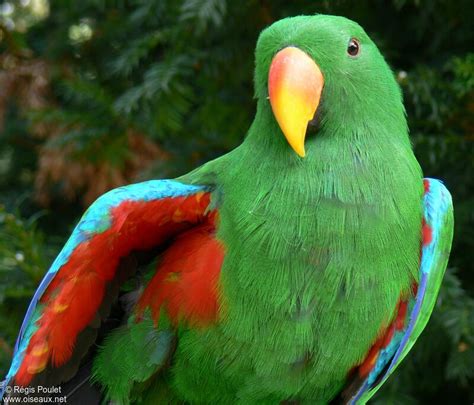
column 358, row 83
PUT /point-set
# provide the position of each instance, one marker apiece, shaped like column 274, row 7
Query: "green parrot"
column 299, row 268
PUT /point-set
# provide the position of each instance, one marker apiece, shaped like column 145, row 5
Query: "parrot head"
column 322, row 71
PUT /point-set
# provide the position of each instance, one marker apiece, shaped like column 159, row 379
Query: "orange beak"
column 295, row 83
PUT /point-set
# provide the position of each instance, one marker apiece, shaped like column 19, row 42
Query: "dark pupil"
column 353, row 48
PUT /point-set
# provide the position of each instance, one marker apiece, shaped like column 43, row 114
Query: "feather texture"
column 136, row 217
column 437, row 235
column 307, row 274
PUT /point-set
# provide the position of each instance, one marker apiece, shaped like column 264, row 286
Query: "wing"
column 183, row 293
column 413, row 314
column 74, row 296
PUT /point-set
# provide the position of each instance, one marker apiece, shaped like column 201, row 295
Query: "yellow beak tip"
column 299, row 147
column 301, row 153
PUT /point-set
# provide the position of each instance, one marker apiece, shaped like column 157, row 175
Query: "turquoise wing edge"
column 438, row 217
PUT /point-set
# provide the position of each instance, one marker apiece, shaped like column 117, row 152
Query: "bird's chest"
column 304, row 288
column 301, row 263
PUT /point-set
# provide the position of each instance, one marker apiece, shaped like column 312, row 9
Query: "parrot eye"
column 353, row 48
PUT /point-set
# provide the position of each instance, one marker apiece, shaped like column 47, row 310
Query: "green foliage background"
column 80, row 79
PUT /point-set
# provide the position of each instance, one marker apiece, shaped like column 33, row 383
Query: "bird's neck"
column 340, row 139
column 341, row 160
column 266, row 138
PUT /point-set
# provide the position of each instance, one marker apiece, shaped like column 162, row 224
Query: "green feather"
column 436, row 275
column 130, row 354
column 318, row 250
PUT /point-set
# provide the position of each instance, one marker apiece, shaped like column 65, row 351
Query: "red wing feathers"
column 186, row 281
column 72, row 299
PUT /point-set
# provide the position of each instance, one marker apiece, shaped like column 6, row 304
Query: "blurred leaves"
column 24, row 256
column 21, row 255
column 204, row 12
